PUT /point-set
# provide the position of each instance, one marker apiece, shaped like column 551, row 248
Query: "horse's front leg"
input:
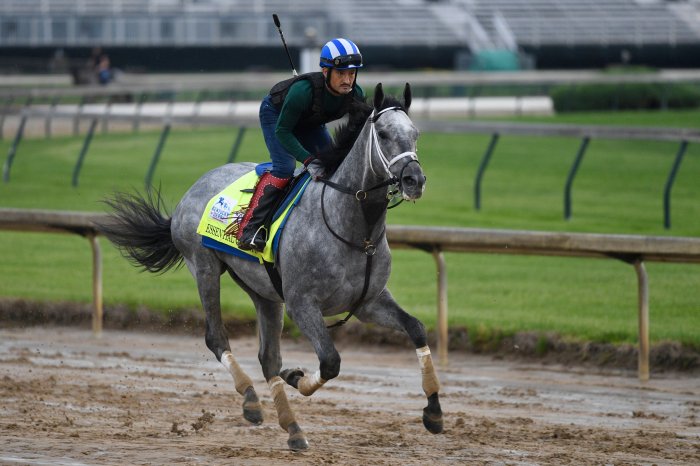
column 386, row 312
column 285, row 415
column 311, row 324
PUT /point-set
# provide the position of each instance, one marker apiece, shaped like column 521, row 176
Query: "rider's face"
column 341, row 80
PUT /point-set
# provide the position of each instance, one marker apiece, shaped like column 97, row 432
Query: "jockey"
column 293, row 119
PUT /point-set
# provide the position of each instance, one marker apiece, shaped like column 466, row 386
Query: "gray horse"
column 332, row 258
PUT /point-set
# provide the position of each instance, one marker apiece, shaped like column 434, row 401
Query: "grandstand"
column 591, row 22
column 399, row 33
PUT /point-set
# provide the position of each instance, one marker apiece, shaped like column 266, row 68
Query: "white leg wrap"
column 309, row 384
column 284, row 411
column 431, row 384
column 240, row 378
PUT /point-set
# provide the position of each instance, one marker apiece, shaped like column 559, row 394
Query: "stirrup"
column 252, row 245
column 262, row 229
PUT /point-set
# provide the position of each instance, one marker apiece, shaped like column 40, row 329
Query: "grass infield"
column 618, row 189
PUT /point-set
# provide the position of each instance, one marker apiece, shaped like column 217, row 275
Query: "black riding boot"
column 253, row 229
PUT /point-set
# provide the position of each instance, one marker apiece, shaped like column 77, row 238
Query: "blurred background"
column 155, row 36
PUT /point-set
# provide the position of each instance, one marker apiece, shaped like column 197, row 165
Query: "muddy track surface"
column 67, row 398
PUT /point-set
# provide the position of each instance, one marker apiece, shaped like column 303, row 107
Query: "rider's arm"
column 295, row 104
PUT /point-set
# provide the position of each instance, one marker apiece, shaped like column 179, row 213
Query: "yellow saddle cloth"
column 230, row 205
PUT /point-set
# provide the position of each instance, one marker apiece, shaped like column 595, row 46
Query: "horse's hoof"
column 292, row 376
column 253, row 414
column 252, row 409
column 432, row 415
column 431, row 422
column 297, row 440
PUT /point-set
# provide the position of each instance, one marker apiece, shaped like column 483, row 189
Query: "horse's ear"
column 378, row 96
column 407, row 96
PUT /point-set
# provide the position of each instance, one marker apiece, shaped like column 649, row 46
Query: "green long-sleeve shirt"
column 299, row 99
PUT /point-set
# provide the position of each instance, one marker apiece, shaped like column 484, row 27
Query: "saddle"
column 227, row 208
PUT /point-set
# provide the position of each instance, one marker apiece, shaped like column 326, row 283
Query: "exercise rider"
column 293, row 119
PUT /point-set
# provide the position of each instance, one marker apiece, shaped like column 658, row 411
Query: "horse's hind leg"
column 386, row 312
column 270, row 324
column 207, row 273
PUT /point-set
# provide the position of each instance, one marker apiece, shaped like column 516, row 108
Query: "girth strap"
column 274, row 277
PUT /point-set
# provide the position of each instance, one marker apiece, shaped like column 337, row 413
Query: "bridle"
column 369, row 246
column 387, row 163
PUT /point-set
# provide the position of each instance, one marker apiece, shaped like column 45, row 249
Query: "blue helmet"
column 341, row 54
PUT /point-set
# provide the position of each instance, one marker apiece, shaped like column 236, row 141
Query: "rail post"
column 572, row 174
column 83, row 151
column 482, row 168
column 197, row 107
column 49, row 116
column 105, row 117
column 137, row 112
column 669, row 183
column 13, row 150
column 97, row 310
column 5, row 111
column 156, row 155
column 443, row 334
column 76, row 118
column 643, row 318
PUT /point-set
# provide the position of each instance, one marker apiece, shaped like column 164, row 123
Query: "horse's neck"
column 357, row 174
column 356, row 171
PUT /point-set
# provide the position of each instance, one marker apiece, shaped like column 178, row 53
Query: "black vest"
column 314, row 115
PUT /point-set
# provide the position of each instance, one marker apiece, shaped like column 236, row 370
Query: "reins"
column 368, row 246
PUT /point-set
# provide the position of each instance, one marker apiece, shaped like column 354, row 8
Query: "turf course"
column 618, row 189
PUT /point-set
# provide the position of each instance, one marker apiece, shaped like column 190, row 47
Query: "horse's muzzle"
column 412, row 186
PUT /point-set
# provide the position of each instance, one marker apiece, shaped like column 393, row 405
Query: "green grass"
column 618, row 189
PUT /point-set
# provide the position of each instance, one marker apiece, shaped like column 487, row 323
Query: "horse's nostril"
column 410, row 180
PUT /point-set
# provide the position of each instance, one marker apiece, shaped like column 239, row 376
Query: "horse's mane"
column 346, row 134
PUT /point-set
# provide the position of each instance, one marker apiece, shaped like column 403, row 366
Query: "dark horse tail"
column 141, row 232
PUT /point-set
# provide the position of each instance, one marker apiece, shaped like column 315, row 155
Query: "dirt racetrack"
column 132, row 398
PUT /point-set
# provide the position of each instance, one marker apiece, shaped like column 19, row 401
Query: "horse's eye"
column 383, row 134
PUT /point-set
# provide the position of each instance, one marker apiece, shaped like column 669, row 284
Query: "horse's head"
column 393, row 139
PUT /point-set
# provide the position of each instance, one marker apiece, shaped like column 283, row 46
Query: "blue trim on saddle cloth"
column 290, row 201
column 225, row 248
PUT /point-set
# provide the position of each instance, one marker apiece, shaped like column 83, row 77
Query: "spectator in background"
column 104, row 70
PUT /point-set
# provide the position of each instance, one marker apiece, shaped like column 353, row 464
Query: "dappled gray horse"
column 332, row 258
